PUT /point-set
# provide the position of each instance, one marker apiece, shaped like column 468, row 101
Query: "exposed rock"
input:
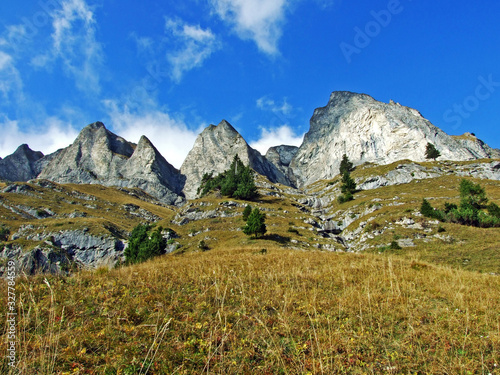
column 281, row 157
column 476, row 146
column 370, row 131
column 99, row 156
column 21, row 165
column 89, row 250
column 148, row 170
column 214, row 151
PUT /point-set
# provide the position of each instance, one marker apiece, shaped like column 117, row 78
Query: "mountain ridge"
column 354, row 124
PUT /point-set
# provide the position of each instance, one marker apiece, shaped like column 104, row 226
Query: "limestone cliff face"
column 281, row 157
column 213, row 152
column 99, row 156
column 370, row 131
column 21, row 165
column 148, row 170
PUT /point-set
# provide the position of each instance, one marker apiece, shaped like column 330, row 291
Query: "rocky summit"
column 22, row 165
column 366, row 130
column 99, row 156
column 213, row 152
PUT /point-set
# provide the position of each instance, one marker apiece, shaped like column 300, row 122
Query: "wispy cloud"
column 48, row 137
column 75, row 43
column 171, row 136
column 267, row 104
column 257, row 20
column 11, row 85
column 283, row 135
column 193, row 45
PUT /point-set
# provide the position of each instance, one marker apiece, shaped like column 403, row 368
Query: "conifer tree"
column 431, row 152
column 348, row 186
column 246, row 212
column 255, row 224
column 345, row 165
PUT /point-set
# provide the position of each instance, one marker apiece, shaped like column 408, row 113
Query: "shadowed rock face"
column 21, row 165
column 99, row 156
column 214, row 151
column 281, row 156
column 370, row 131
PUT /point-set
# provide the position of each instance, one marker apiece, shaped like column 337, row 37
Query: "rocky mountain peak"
column 20, row 165
column 213, row 152
column 100, row 156
column 25, row 151
column 367, row 130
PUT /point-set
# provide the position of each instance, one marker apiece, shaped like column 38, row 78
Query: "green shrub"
column 426, row 209
column 494, row 210
column 346, row 197
column 394, row 245
column 4, row 233
column 472, row 194
column 203, row 246
column 144, row 244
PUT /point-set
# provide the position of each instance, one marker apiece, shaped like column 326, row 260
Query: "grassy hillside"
column 293, row 302
column 239, row 311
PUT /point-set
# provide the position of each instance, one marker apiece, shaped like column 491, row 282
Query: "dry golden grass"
column 235, row 310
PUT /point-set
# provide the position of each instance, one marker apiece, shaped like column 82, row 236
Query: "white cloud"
column 194, row 46
column 49, row 137
column 74, row 41
column 268, row 104
column 258, row 20
column 11, row 84
column 169, row 135
column 283, row 135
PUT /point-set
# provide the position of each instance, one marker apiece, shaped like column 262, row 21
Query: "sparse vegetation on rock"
column 237, row 182
column 431, row 152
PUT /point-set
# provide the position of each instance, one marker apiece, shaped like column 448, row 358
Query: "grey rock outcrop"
column 148, row 170
column 476, row 146
column 281, row 157
column 367, row 130
column 98, row 156
column 21, row 165
column 213, row 152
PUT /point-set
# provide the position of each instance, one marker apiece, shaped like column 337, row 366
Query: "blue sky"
column 167, row 69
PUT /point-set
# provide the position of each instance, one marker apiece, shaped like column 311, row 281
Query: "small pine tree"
column 236, row 182
column 472, row 195
column 246, row 212
column 255, row 224
column 431, row 152
column 345, row 165
column 348, row 186
column 426, row 209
